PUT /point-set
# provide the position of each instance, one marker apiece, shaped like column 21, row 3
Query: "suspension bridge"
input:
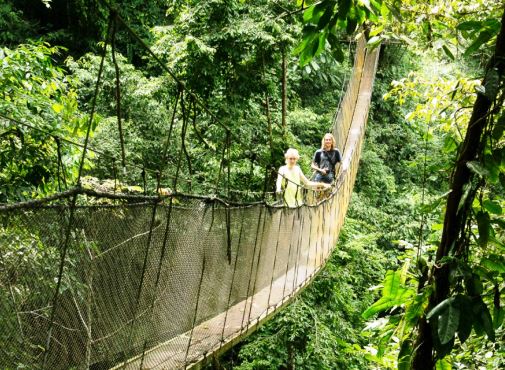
column 152, row 282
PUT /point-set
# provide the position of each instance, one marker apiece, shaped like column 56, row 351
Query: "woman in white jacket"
column 290, row 179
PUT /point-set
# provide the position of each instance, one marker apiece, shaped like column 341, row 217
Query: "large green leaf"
column 313, row 13
column 494, row 262
column 321, row 43
column 352, row 24
column 448, row 52
column 416, row 309
column 392, row 287
column 336, row 47
column 325, row 18
column 344, row 7
column 448, row 322
column 492, row 207
column 466, row 317
column 387, row 302
column 477, row 168
column 376, row 5
column 439, row 308
column 443, row 364
column 404, row 355
column 483, row 37
column 492, row 24
column 498, row 316
column 484, row 225
column 307, row 40
column 483, row 318
column 469, row 26
column 310, row 50
column 487, row 323
column 393, row 294
column 499, row 127
column 442, row 349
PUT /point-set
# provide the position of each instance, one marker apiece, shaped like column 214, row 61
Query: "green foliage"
column 145, row 114
column 453, row 29
column 376, row 178
column 29, row 267
column 80, row 24
column 325, row 20
column 394, row 293
column 14, row 28
column 35, row 91
column 434, row 111
column 25, row 259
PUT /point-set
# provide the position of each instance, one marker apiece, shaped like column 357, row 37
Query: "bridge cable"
column 195, row 315
column 257, row 269
column 228, row 304
column 275, row 257
column 118, row 94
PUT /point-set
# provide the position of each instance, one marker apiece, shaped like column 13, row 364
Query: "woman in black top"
column 325, row 160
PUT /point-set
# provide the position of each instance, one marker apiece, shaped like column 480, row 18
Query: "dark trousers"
column 328, row 178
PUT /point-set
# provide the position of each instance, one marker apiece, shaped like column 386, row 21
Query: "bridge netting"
column 163, row 282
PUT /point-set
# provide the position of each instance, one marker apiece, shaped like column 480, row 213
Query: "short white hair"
column 292, row 152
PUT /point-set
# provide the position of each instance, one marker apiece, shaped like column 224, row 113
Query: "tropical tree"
column 467, row 266
column 39, row 108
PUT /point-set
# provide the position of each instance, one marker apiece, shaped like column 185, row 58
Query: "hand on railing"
column 321, row 186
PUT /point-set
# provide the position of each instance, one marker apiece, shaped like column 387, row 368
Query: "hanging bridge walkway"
column 168, row 282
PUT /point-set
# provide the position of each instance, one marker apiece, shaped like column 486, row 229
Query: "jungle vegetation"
column 417, row 279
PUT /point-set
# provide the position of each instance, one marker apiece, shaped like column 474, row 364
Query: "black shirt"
column 327, row 159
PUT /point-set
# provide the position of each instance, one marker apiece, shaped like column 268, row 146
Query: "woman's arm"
column 316, row 168
column 311, row 184
column 278, row 183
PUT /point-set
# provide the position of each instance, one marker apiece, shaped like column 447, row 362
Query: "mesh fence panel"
column 162, row 284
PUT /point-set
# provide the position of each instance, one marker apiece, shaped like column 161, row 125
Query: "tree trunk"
column 284, row 90
column 271, row 176
column 455, row 220
column 269, row 127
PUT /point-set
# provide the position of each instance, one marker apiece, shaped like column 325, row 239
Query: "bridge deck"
column 210, row 337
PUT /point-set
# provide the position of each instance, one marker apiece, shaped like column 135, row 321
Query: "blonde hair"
column 291, row 152
column 333, row 142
